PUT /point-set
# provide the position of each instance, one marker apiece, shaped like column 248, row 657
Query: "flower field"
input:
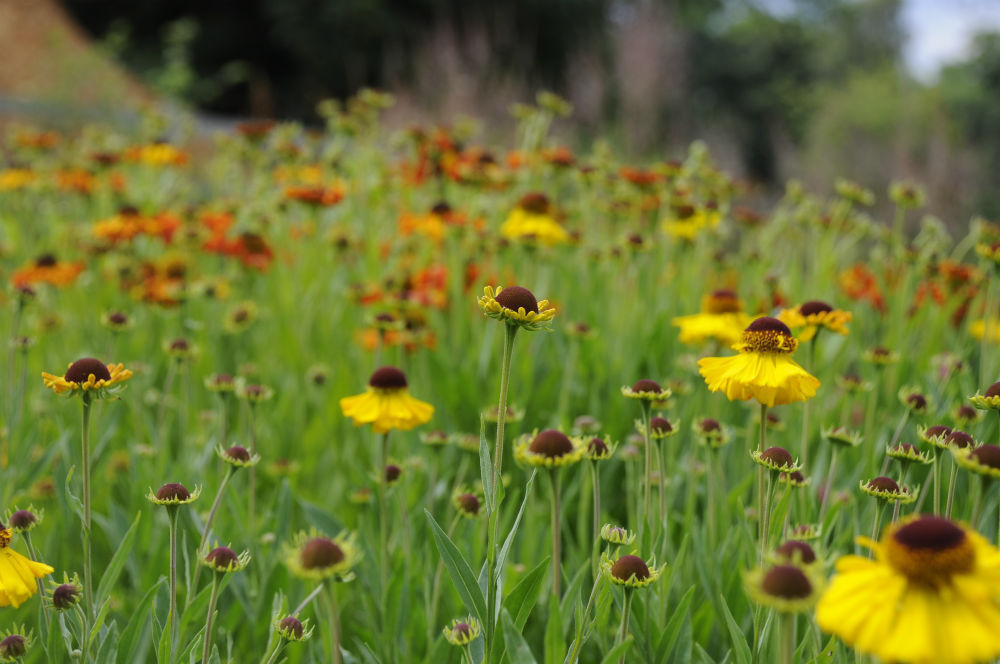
column 365, row 395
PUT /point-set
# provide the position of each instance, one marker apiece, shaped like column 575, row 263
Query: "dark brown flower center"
column 722, row 301
column 551, row 443
column 792, row 548
column 222, row 557
column 13, row 647
column 65, row 596
column 786, row 582
column 180, row 345
column 292, row 625
column 937, row 430
column 814, row 307
column 646, row 385
column 930, row 550
column 238, row 453
column 987, row 455
column 535, row 202
column 960, row 439
column 917, row 402
column 708, row 425
column 462, row 630
column 660, row 425
column 597, row 447
column 966, row 413
column 441, row 209
column 994, row 390
column 516, row 297
column 320, row 553
column 388, row 378
column 630, row 566
column 392, row 473
column 22, row 520
column 117, row 318
column 778, row 456
column 80, row 371
column 46, row 260
column 173, row 491
column 768, row 335
column 886, row 484
column 468, row 503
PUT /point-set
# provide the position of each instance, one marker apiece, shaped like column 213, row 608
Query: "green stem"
column 951, row 488
column 172, row 615
column 493, row 532
column 556, row 534
column 879, row 506
column 84, row 636
column 623, row 632
column 161, row 413
column 252, row 516
column 828, row 489
column 215, row 506
column 987, row 320
column 436, row 587
column 38, row 582
column 647, row 444
column 937, row 484
column 331, row 606
column 977, row 502
column 383, row 533
column 596, row 479
column 787, row 651
column 579, row 640
column 208, row 618
column 85, row 462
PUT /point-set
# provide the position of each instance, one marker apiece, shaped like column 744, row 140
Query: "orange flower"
column 47, row 269
column 129, row 223
column 76, row 180
column 860, row 283
column 316, row 195
column 640, row 177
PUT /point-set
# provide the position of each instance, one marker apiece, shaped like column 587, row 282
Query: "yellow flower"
column 721, row 318
column 785, row 588
column 978, row 328
column 630, row 571
column 387, row 404
column 534, row 219
column 16, row 178
column 549, row 449
column 813, row 316
column 17, row 573
column 316, row 558
column 88, row 375
column 931, row 595
column 516, row 306
column 687, row 221
column 763, row 369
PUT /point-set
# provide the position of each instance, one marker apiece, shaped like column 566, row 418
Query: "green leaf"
column 163, row 651
column 128, row 643
column 523, row 597
column 505, row 549
column 740, row 648
column 114, row 568
column 486, row 468
column 617, row 652
column 518, row 651
column 55, row 648
column 555, row 644
column 109, row 646
column 673, row 629
column 71, row 497
column 458, row 569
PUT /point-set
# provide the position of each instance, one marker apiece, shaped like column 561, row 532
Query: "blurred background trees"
column 778, row 88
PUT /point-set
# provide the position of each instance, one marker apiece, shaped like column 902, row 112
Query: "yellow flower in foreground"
column 534, row 219
column 813, row 316
column 931, row 595
column 88, row 375
column 17, row 573
column 721, row 318
column 763, row 369
column 387, row 404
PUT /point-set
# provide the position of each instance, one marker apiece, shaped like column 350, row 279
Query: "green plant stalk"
column 493, row 532
column 804, row 444
column 436, row 588
column 977, row 502
column 334, row 613
column 161, row 412
column 252, row 506
column 710, row 492
column 579, row 640
column 787, row 650
column 879, row 507
column 85, row 462
column 761, row 495
column 623, row 631
column 224, row 427
column 270, row 658
column 567, row 382
column 172, row 615
column 951, row 488
column 38, row 582
column 556, row 533
column 937, row 485
column 84, row 635
column 230, row 470
column 984, row 342
column 208, row 618
column 828, row 489
column 383, row 535
column 648, row 472
column 596, row 479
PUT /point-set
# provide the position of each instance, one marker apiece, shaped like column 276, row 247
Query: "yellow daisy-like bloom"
column 534, row 219
column 316, row 558
column 984, row 460
column 763, row 369
column 988, row 401
column 16, row 178
column 688, row 221
column 463, row 632
column 516, row 306
column 549, row 449
column 88, row 375
column 629, row 571
column 17, row 573
column 980, row 327
column 783, row 587
column 721, row 318
column 930, row 596
column 387, row 404
column 886, row 488
column 813, row 316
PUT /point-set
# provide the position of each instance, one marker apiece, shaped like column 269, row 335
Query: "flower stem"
column 84, row 636
column 879, row 506
column 647, row 444
column 172, row 615
column 310, row 597
column 937, row 485
column 977, row 502
column 596, row 478
column 951, row 488
column 556, row 534
column 828, row 488
column 85, row 462
column 383, row 536
column 787, row 651
column 493, row 532
column 331, row 607
column 38, row 582
column 208, row 618
column 252, row 516
column 623, row 632
column 207, row 529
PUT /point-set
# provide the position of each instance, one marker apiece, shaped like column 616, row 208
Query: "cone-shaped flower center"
column 516, row 297
column 814, row 307
column 646, row 385
column 222, row 557
column 388, row 378
column 722, row 301
column 779, row 456
column 660, row 425
column 319, row 553
column 960, row 439
column 80, row 370
column 930, row 549
column 628, row 566
column 597, row 447
column 792, row 548
column 994, row 390
column 786, row 581
column 768, row 335
column 469, row 503
column 886, row 484
column 173, row 491
column 551, row 443
column 293, row 625
column 987, row 455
